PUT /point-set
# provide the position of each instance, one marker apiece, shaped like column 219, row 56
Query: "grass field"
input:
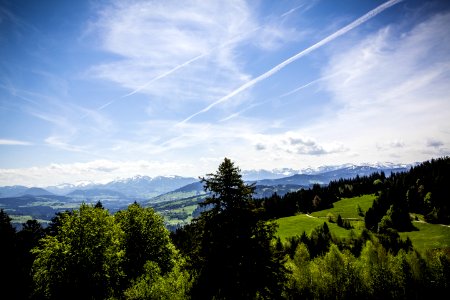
column 295, row 225
column 428, row 236
column 19, row 219
column 347, row 207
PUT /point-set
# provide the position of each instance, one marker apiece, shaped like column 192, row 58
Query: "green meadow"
column 428, row 236
column 348, row 207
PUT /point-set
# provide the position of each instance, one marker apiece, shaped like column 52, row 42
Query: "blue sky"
column 98, row 90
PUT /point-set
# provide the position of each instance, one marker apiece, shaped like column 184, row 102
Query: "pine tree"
column 238, row 260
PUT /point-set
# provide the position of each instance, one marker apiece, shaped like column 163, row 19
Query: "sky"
column 99, row 90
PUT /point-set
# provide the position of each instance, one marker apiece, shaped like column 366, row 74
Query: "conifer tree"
column 238, row 260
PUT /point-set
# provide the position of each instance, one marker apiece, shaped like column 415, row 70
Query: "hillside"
column 426, row 237
column 179, row 192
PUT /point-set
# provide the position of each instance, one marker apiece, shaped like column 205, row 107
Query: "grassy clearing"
column 347, row 207
column 295, row 225
column 428, row 236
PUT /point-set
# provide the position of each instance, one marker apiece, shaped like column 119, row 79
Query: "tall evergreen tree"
column 236, row 255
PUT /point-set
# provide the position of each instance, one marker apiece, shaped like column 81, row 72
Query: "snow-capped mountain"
column 66, row 188
column 250, row 175
column 134, row 187
column 145, row 187
column 255, row 175
column 326, row 174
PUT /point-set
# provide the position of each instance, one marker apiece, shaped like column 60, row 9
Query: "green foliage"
column 96, row 255
column 374, row 274
column 83, row 260
column 231, row 249
column 145, row 239
column 153, row 284
column 359, row 211
column 344, row 223
column 396, row 217
column 331, row 218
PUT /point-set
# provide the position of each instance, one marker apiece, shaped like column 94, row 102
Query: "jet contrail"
column 186, row 63
column 308, row 84
column 232, row 40
column 292, row 10
column 290, row 60
column 280, row 96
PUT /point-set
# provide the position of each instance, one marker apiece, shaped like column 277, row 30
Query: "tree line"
column 230, row 251
column 424, row 189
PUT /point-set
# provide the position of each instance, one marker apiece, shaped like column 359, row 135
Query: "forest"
column 232, row 250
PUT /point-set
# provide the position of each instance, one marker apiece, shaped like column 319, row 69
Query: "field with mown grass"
column 428, row 236
column 348, row 207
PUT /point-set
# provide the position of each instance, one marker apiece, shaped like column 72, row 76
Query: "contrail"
column 308, row 84
column 232, row 40
column 186, row 63
column 155, row 79
column 280, row 96
column 292, row 10
column 290, row 60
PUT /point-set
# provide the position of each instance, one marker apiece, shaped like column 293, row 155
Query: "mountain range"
column 144, row 187
column 168, row 194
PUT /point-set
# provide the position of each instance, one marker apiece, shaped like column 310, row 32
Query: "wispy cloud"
column 158, row 42
column 6, row 142
column 155, row 41
column 392, row 86
column 296, row 90
column 97, row 171
column 302, row 53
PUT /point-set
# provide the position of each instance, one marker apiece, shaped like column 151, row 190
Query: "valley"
column 176, row 198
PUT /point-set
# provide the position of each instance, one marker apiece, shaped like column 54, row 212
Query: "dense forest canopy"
column 231, row 251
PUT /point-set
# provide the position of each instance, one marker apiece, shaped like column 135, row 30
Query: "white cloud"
column 98, row 171
column 294, row 144
column 391, row 86
column 361, row 20
column 152, row 38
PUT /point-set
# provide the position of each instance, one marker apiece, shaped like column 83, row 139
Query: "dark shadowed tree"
column 27, row 239
column 9, row 264
column 236, row 254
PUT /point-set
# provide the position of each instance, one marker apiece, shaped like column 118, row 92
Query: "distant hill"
column 35, row 191
column 263, row 191
column 134, row 187
column 146, row 187
column 19, row 190
column 95, row 193
column 187, row 191
column 12, row 191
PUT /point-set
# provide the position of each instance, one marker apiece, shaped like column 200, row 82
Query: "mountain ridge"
column 145, row 187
